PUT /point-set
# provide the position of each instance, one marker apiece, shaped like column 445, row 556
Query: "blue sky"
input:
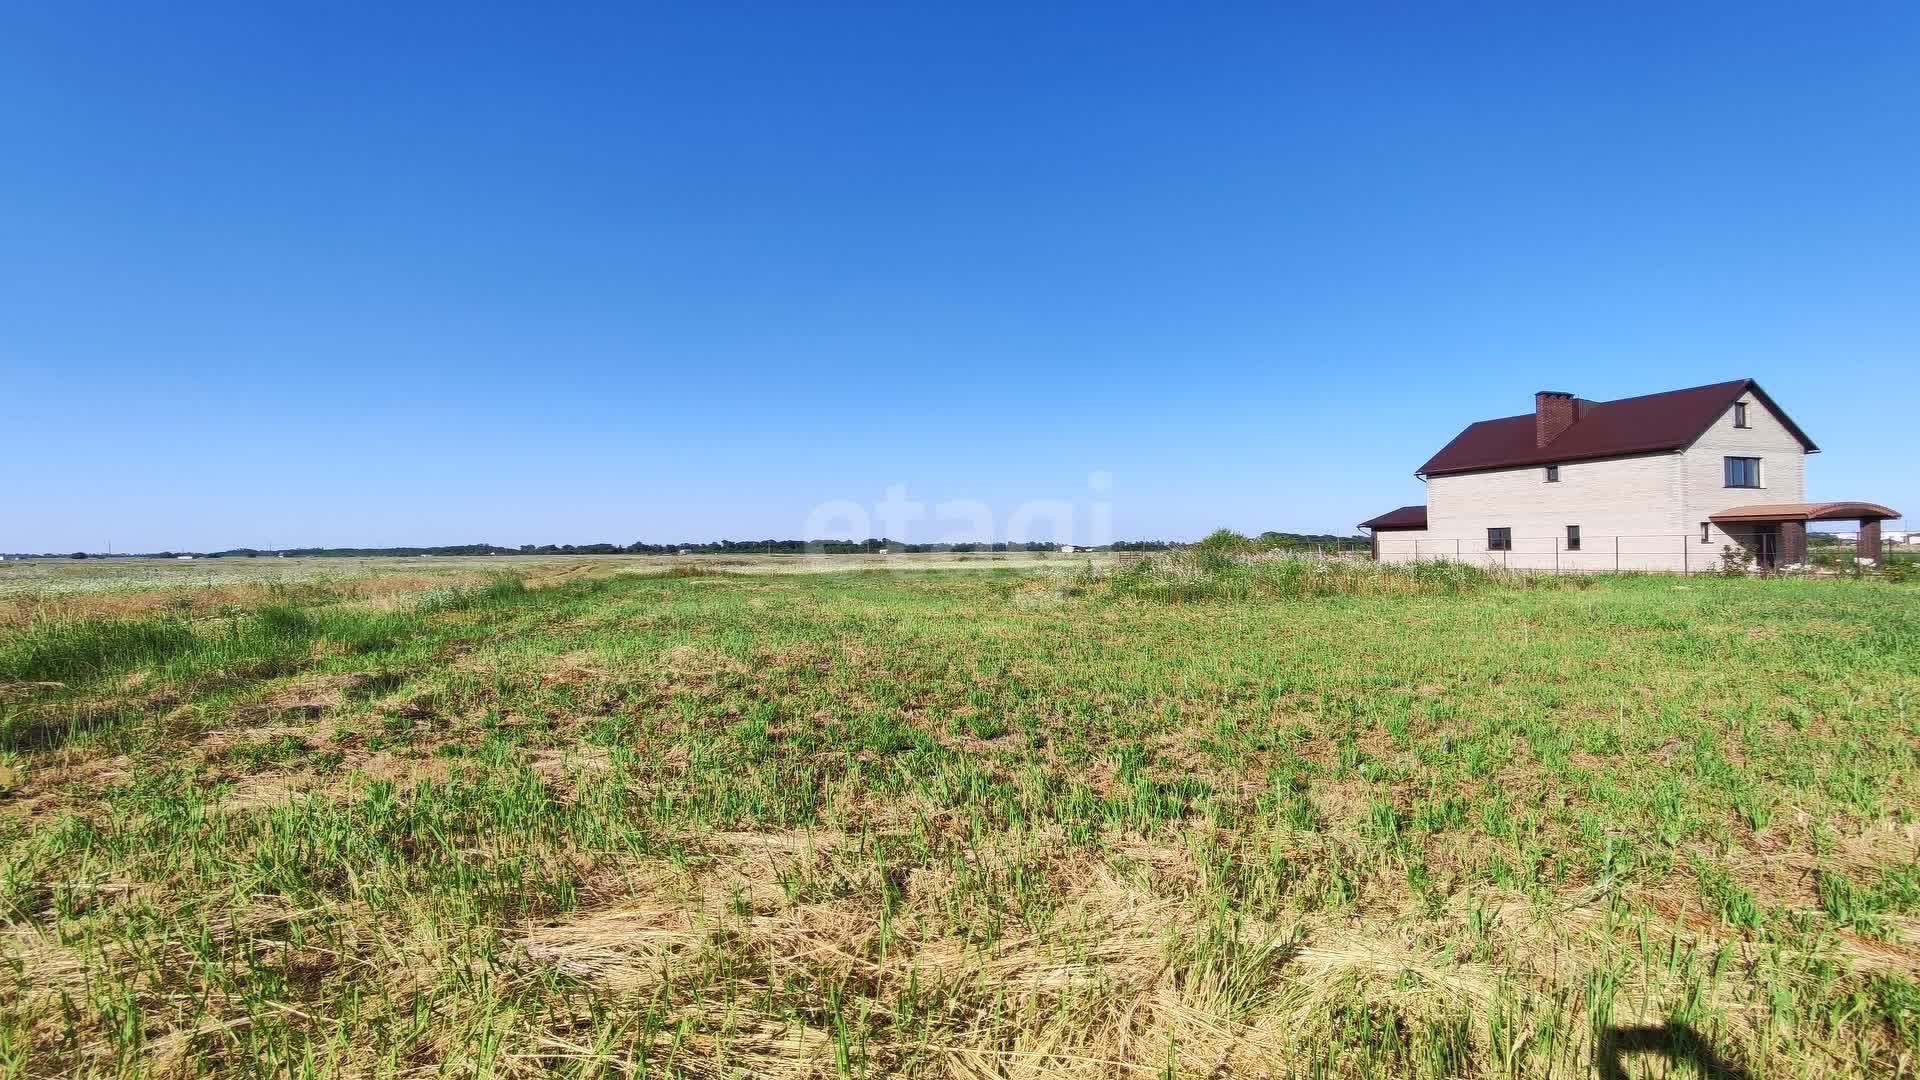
column 287, row 274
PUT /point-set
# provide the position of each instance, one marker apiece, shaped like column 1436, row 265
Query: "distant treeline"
column 1268, row 540
column 709, row 547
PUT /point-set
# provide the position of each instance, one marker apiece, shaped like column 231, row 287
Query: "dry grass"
column 926, row 825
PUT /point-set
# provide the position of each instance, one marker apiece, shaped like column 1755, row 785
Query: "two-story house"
column 1659, row 482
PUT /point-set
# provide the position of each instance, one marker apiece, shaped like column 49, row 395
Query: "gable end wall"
column 1783, row 468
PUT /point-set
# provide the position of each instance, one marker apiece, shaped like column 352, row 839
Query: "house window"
column 1740, row 414
column 1706, row 536
column 1500, row 539
column 1743, row 472
column 1553, row 474
column 1573, row 538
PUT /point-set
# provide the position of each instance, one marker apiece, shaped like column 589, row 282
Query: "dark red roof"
column 1407, row 517
column 1636, row 425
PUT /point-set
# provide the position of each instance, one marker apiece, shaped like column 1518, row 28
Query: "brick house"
column 1659, row 482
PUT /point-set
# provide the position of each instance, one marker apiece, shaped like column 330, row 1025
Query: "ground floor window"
column 1573, row 538
column 1705, row 532
column 1500, row 539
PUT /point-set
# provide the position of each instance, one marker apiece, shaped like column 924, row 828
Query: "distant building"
column 1068, row 549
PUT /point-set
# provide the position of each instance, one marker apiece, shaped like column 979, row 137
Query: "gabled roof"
column 1647, row 424
column 1407, row 517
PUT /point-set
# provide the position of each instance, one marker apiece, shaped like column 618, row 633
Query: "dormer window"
column 1553, row 474
column 1740, row 414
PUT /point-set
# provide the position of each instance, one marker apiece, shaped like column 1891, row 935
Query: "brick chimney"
column 1553, row 413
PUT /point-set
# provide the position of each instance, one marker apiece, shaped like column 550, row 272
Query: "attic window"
column 1553, row 474
column 1740, row 414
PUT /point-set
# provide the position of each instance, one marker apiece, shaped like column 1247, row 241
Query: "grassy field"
column 1310, row 821
column 54, row 577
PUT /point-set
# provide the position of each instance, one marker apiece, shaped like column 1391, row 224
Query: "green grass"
column 1172, row 821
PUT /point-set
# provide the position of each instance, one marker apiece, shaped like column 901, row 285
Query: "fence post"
column 1556, row 554
column 1686, row 561
column 1616, row 554
column 1456, row 549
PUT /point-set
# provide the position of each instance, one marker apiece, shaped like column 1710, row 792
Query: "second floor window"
column 1739, row 414
column 1743, row 472
column 1500, row 539
column 1553, row 474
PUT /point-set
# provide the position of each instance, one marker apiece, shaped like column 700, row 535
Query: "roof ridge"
column 1676, row 390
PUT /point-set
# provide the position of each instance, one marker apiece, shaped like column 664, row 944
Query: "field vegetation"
column 1227, row 813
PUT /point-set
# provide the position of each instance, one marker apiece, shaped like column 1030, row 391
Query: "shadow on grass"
column 47, row 728
column 1677, row 1042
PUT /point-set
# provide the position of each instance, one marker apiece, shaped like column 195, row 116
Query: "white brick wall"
column 1703, row 486
column 1635, row 513
column 1404, row 545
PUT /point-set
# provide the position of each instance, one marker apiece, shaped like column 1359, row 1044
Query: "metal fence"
column 1660, row 553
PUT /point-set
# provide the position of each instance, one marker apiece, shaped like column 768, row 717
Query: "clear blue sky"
column 329, row 273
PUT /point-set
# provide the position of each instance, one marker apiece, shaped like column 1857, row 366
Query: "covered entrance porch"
column 1775, row 534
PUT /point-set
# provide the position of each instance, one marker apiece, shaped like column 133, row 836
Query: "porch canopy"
column 1793, row 517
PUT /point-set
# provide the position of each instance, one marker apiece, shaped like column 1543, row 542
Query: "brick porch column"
column 1793, row 543
column 1868, row 546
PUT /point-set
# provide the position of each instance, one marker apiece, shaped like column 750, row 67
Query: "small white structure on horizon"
column 184, row 558
column 1068, row 549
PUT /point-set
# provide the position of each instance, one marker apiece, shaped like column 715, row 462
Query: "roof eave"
column 1570, row 459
